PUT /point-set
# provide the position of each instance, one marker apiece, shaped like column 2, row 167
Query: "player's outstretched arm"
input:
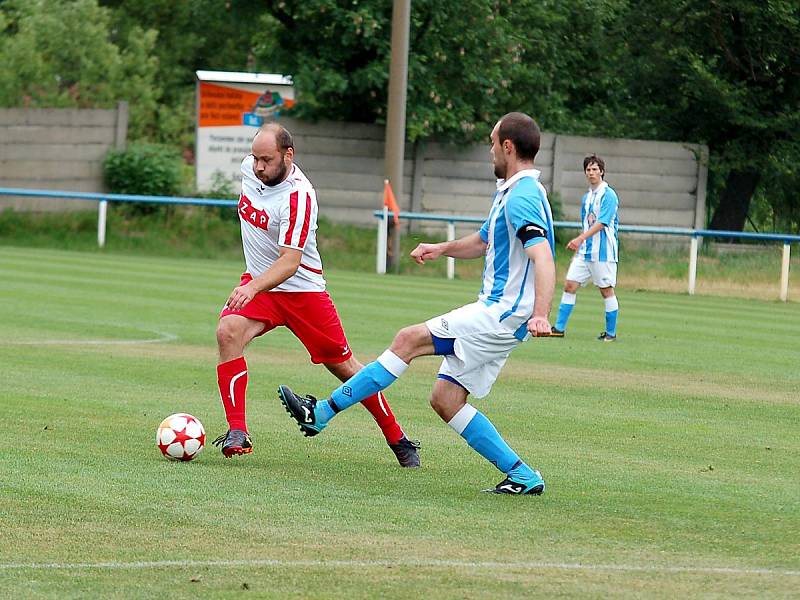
column 425, row 252
column 469, row 246
column 544, row 285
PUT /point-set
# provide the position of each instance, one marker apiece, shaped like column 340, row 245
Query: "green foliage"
column 144, row 169
column 58, row 53
column 192, row 35
column 222, row 187
column 469, row 62
column 725, row 73
column 775, row 205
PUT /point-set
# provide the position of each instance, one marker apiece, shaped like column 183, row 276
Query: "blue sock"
column 565, row 310
column 374, row 377
column 612, row 310
column 521, row 472
column 482, row 437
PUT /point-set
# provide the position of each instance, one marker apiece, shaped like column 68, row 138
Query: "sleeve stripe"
column 306, row 222
column 287, row 240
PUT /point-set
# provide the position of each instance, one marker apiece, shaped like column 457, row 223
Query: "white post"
column 102, row 210
column 692, row 265
column 451, row 262
column 383, row 224
column 785, row 272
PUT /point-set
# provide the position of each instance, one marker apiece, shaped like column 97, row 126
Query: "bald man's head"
column 273, row 153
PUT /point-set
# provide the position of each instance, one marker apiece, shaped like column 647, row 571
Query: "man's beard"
column 500, row 171
column 273, row 181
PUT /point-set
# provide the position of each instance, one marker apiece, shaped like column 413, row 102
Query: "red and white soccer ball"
column 181, row 437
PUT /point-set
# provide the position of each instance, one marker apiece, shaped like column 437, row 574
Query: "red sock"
column 384, row 417
column 232, row 380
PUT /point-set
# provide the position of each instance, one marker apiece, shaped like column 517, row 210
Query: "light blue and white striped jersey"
column 508, row 273
column 600, row 205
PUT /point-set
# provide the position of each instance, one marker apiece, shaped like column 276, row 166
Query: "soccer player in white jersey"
column 284, row 286
column 475, row 340
column 597, row 250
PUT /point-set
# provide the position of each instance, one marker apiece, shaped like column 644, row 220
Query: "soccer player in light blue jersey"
column 597, row 250
column 475, row 340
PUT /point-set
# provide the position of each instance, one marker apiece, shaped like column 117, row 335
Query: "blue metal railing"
column 100, row 197
column 103, row 200
column 693, row 234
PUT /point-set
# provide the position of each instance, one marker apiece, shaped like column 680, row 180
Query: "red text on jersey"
column 254, row 216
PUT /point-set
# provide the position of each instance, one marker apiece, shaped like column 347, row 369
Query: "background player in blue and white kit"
column 475, row 340
column 597, row 250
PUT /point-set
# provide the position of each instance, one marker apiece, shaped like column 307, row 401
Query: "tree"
column 725, row 72
column 57, row 53
column 192, row 35
column 466, row 60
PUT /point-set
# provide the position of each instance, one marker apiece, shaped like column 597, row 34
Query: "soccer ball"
column 181, row 437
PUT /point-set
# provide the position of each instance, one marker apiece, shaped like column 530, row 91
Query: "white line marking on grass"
column 162, row 337
column 359, row 564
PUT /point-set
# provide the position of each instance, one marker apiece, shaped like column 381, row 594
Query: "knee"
column 571, row 287
column 407, row 341
column 227, row 334
column 438, row 405
column 444, row 406
column 412, row 341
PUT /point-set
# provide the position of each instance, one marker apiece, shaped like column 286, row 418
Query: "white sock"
column 392, row 363
column 462, row 418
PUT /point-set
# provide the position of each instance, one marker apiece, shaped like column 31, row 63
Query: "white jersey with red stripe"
column 284, row 215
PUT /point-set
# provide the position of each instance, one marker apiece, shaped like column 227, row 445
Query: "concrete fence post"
column 383, row 229
column 102, row 210
column 785, row 272
column 692, row 264
column 451, row 262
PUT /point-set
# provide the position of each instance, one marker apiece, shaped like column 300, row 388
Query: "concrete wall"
column 658, row 183
column 57, row 149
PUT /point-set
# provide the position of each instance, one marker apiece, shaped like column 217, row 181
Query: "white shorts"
column 481, row 346
column 603, row 274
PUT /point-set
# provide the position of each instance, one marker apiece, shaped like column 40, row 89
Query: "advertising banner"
column 230, row 107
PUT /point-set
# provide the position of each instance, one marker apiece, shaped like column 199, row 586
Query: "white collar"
column 504, row 184
column 601, row 189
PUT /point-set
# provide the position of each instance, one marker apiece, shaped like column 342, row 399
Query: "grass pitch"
column 671, row 456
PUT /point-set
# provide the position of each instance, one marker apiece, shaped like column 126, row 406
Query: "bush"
column 145, row 169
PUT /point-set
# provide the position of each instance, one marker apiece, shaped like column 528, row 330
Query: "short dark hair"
column 283, row 139
column 596, row 160
column 523, row 132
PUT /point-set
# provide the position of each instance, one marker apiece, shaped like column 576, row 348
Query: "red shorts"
column 310, row 316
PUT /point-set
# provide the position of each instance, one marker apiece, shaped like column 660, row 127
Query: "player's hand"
column 539, row 326
column 425, row 252
column 574, row 244
column 240, row 296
